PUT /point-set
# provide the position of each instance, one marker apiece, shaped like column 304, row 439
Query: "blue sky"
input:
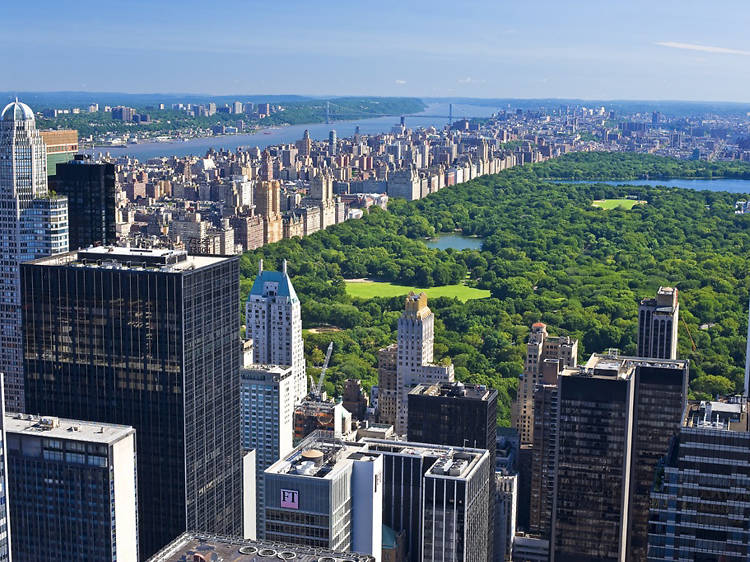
column 604, row 49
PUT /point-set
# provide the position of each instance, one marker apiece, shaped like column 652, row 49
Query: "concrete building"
column 267, row 412
column 326, row 493
column 62, row 145
column 147, row 338
column 540, row 346
column 615, row 419
column 701, row 494
column 33, row 224
column 199, row 547
column 505, row 504
column 658, row 323
column 419, row 480
column 416, row 336
column 274, row 322
column 72, row 489
column 387, row 386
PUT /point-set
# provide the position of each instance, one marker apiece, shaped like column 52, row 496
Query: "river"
column 719, row 184
column 431, row 116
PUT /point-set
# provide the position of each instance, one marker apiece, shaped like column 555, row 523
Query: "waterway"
column 719, row 184
column 455, row 241
column 434, row 115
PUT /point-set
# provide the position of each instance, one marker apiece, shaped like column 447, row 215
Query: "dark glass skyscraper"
column 148, row 338
column 90, row 189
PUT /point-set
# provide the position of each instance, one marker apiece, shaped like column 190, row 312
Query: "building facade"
column 267, row 411
column 540, row 346
column 274, row 322
column 33, row 223
column 416, row 337
column 326, row 493
column 438, row 496
column 701, row 494
column 658, row 322
column 72, row 489
column 147, row 338
column 90, row 190
column 615, row 419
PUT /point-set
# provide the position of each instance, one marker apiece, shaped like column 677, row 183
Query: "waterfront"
column 433, row 115
column 455, row 241
column 719, row 184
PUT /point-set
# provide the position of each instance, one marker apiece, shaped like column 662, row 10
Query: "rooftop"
column 17, row 111
column 127, row 258
column 611, row 364
column 73, row 430
column 452, row 462
column 454, row 390
column 728, row 414
column 272, row 284
column 200, row 547
column 319, row 455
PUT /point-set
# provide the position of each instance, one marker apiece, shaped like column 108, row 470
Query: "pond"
column 720, row 184
column 456, row 241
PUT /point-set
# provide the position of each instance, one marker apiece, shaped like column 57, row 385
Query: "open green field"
column 608, row 204
column 370, row 289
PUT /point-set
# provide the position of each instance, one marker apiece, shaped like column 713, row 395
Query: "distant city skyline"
column 641, row 50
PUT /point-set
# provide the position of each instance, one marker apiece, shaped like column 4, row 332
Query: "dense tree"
column 547, row 255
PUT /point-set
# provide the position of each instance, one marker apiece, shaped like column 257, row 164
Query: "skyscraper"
column 459, row 415
column 416, row 336
column 658, row 320
column 332, row 143
column 267, row 410
column 33, row 223
column 90, row 189
column 274, row 322
column 148, row 338
column 615, row 418
column 72, row 489
column 541, row 346
column 438, row 496
column 701, row 493
column 5, row 542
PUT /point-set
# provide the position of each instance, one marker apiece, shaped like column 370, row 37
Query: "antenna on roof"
column 283, row 267
column 260, row 266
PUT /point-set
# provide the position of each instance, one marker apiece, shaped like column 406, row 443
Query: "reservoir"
column 435, row 115
column 719, row 184
column 455, row 241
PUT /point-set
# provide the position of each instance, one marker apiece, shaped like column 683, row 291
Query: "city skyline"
column 641, row 50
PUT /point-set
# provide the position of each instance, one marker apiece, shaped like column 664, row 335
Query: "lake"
column 455, row 241
column 720, row 184
column 435, row 115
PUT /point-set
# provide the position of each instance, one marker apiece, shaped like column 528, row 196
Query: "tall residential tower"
column 33, row 224
column 274, row 322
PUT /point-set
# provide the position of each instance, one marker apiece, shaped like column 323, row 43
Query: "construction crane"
column 692, row 341
column 318, row 390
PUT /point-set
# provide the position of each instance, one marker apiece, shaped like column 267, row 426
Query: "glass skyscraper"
column 147, row 338
column 33, row 223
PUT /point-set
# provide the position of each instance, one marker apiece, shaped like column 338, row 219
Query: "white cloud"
column 470, row 80
column 401, row 82
column 702, row 48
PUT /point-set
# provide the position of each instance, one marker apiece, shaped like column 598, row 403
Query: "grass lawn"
column 608, row 204
column 370, row 289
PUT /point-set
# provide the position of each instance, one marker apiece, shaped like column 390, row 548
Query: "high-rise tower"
column 274, row 322
column 658, row 320
column 541, row 346
column 33, row 224
column 416, row 336
column 147, row 338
